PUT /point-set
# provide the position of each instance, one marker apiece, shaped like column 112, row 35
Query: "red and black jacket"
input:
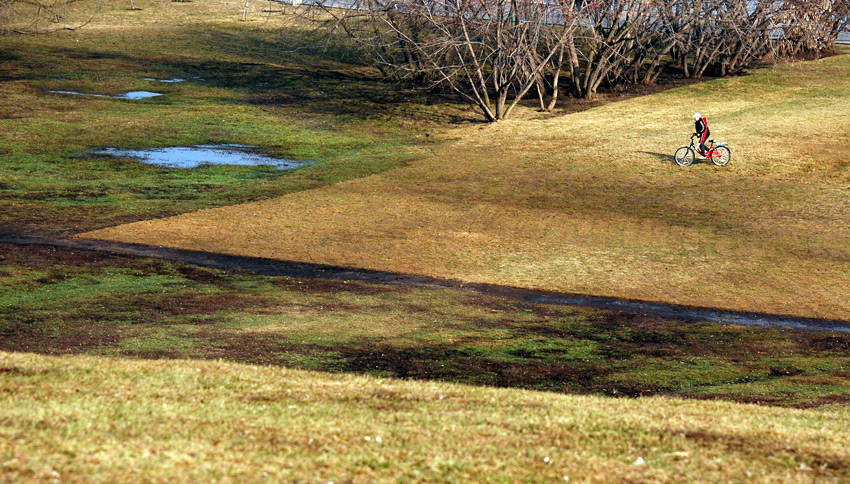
column 701, row 128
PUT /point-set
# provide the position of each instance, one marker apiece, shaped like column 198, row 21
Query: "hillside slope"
column 90, row 419
column 591, row 203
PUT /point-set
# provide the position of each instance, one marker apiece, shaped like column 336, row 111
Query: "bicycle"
column 719, row 153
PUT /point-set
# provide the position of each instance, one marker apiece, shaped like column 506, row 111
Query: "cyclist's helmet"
column 697, row 116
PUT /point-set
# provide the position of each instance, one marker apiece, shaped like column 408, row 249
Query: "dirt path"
column 271, row 267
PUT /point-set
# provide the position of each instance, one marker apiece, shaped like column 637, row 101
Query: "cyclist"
column 701, row 128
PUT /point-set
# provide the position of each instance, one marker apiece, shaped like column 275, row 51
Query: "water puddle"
column 127, row 95
column 176, row 79
column 138, row 95
column 194, row 156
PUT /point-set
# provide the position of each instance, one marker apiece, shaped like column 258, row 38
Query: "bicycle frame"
column 717, row 152
column 710, row 152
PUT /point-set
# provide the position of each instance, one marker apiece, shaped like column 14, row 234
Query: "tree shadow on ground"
column 309, row 85
column 302, row 73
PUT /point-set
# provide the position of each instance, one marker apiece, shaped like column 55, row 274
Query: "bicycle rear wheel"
column 723, row 156
column 684, row 156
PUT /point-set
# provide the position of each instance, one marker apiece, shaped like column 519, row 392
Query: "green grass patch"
column 111, row 306
column 244, row 84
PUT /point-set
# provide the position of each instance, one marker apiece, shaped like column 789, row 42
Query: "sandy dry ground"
column 591, row 203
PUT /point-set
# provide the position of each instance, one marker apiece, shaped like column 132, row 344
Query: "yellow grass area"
column 101, row 420
column 591, row 202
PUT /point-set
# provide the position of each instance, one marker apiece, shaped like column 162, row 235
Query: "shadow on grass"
column 67, row 301
column 304, row 72
column 666, row 158
column 315, row 82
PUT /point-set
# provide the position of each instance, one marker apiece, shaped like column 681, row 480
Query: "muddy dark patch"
column 775, row 399
column 827, row 400
column 76, row 339
column 319, row 306
column 200, row 274
column 258, row 350
column 482, row 323
column 213, row 303
column 525, row 329
column 332, row 286
column 13, row 371
column 40, row 257
column 154, row 354
column 185, row 305
column 508, row 305
column 52, row 279
column 785, row 371
column 462, row 365
column 830, row 343
column 440, row 362
column 62, row 262
column 527, row 354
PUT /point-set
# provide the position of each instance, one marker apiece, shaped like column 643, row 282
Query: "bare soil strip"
column 273, row 267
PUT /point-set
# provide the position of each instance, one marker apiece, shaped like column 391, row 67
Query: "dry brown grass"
column 87, row 419
column 590, row 203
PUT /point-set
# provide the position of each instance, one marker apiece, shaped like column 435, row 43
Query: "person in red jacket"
column 701, row 130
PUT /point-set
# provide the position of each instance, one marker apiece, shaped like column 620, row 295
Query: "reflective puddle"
column 176, row 79
column 200, row 155
column 127, row 95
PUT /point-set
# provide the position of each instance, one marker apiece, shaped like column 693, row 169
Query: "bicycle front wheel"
column 684, row 156
column 723, row 156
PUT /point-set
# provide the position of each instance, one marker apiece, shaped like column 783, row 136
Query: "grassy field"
column 245, row 83
column 590, row 203
column 89, row 419
column 117, row 369
column 60, row 301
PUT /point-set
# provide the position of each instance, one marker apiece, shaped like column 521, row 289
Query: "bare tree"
column 491, row 52
column 656, row 29
column 743, row 28
column 607, row 31
column 623, row 41
column 810, row 26
column 726, row 36
column 548, row 81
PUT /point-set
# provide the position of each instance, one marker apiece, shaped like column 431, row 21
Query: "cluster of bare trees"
column 811, row 26
column 494, row 52
column 725, row 37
